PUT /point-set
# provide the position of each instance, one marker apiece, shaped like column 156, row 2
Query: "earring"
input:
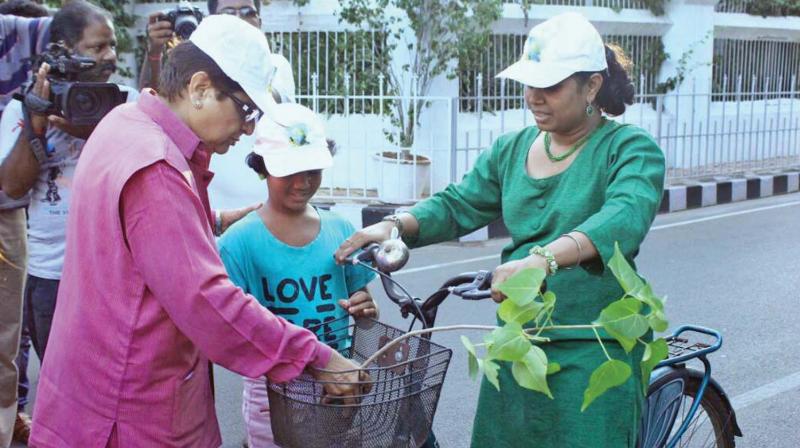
column 198, row 104
column 589, row 110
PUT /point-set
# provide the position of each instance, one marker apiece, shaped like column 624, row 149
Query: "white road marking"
column 724, row 215
column 444, row 265
column 766, row 391
column 654, row 228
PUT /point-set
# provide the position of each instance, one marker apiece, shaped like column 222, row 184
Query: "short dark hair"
column 70, row 21
column 182, row 63
column 212, row 6
column 256, row 162
column 23, row 8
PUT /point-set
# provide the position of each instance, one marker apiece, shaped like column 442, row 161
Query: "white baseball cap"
column 283, row 80
column 292, row 140
column 556, row 49
column 241, row 51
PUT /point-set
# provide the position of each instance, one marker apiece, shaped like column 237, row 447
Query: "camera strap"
column 38, row 143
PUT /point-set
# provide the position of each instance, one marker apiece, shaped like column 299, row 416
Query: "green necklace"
column 575, row 147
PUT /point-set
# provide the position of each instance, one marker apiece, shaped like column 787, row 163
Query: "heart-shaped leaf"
column 611, row 373
column 509, row 343
column 623, row 271
column 509, row 311
column 622, row 321
column 491, row 369
column 531, row 371
column 472, row 357
column 523, row 287
column 654, row 353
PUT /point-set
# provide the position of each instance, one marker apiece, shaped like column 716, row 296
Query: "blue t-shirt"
column 301, row 284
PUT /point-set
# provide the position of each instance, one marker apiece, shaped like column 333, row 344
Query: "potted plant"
column 424, row 40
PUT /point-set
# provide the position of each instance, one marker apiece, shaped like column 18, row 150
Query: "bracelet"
column 580, row 250
column 218, row 223
column 548, row 256
column 398, row 223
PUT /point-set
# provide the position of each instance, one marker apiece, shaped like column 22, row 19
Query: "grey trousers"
column 13, row 254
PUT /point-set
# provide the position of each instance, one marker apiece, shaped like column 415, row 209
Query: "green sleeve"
column 463, row 207
column 633, row 193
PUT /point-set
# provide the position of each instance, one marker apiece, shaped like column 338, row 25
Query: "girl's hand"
column 504, row 271
column 376, row 233
column 360, row 305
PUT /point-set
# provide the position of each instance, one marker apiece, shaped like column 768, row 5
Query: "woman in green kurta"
column 572, row 186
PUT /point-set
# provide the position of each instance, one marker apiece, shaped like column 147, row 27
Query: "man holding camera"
column 161, row 29
column 47, row 149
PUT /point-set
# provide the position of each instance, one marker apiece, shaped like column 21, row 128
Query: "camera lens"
column 185, row 24
column 89, row 103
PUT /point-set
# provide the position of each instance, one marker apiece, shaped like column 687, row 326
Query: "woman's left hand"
column 360, row 304
column 506, row 270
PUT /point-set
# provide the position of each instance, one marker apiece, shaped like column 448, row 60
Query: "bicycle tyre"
column 712, row 403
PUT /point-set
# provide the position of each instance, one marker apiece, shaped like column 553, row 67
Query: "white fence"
column 737, row 110
column 702, row 135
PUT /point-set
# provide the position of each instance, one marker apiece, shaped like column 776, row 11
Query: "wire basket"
column 397, row 412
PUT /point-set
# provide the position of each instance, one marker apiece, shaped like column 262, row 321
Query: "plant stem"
column 410, row 334
column 601, row 343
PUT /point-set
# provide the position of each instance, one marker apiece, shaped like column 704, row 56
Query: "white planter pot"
column 403, row 181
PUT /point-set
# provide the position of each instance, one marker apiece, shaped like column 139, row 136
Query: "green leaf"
column 553, row 367
column 611, row 373
column 623, row 271
column 509, row 343
column 509, row 311
column 531, row 371
column 472, row 357
column 523, row 287
column 657, row 321
column 491, row 369
column 621, row 319
column 654, row 352
column 645, row 295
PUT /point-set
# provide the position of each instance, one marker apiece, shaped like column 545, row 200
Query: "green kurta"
column 611, row 193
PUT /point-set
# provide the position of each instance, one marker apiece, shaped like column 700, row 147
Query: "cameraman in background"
column 24, row 24
column 160, row 30
column 44, row 157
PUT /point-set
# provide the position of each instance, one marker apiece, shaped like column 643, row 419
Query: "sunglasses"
column 248, row 112
column 245, row 12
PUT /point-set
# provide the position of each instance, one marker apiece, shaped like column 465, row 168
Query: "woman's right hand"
column 376, row 233
column 343, row 380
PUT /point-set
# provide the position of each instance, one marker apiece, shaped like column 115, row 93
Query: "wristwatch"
column 398, row 223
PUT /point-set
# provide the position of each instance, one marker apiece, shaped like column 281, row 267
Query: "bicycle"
column 681, row 401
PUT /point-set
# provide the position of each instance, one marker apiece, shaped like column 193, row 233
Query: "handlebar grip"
column 477, row 294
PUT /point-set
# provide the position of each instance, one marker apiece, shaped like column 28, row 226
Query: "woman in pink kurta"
column 144, row 302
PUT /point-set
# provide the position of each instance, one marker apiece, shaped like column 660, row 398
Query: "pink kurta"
column 144, row 301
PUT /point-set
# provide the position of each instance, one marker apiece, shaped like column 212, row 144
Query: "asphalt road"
column 733, row 267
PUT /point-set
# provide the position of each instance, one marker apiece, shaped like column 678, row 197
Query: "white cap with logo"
column 556, row 49
column 292, row 140
column 242, row 52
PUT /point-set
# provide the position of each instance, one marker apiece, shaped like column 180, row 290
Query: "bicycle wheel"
column 669, row 400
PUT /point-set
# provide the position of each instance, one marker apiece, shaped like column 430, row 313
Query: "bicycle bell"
column 392, row 255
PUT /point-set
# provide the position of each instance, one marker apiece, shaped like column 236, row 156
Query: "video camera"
column 80, row 103
column 184, row 19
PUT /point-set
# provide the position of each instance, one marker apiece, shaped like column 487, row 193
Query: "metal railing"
column 613, row 4
column 703, row 135
column 748, row 128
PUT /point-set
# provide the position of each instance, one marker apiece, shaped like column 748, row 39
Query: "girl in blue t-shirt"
column 282, row 253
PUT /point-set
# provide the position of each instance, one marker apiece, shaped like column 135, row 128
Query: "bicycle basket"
column 398, row 410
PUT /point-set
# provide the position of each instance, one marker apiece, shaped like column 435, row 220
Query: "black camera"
column 184, row 19
column 80, row 103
